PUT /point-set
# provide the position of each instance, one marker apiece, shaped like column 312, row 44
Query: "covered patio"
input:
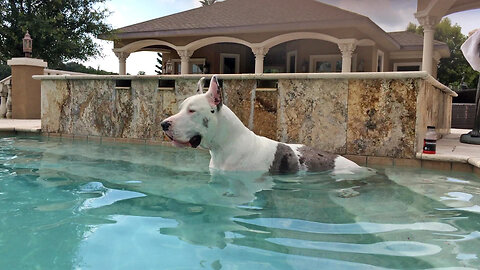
column 429, row 13
column 273, row 36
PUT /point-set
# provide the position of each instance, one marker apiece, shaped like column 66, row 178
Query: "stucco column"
column 122, row 62
column 347, row 49
column 259, row 57
column 428, row 23
column 185, row 60
column 25, row 91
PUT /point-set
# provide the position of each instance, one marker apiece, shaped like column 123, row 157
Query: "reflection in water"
column 70, row 205
column 392, row 248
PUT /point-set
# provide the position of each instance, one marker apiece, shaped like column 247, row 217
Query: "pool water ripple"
column 79, row 205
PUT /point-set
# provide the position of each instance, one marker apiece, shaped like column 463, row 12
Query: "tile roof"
column 405, row 39
column 235, row 13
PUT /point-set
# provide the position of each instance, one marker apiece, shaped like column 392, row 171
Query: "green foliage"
column 453, row 71
column 5, row 71
column 207, row 2
column 77, row 67
column 62, row 30
column 159, row 64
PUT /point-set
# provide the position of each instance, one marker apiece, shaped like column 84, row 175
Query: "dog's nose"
column 165, row 125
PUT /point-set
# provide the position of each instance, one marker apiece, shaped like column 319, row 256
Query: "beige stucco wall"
column 25, row 92
column 276, row 56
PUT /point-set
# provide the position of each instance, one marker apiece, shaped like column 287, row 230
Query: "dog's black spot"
column 205, row 122
column 195, row 141
column 285, row 160
column 317, row 160
column 301, row 160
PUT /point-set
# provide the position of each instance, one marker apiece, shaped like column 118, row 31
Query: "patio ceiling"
column 440, row 8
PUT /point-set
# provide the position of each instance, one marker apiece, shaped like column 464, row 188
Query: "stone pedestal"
column 25, row 90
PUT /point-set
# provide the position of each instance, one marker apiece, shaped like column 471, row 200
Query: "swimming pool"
column 78, row 205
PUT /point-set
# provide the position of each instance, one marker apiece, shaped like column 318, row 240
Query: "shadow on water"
column 66, row 205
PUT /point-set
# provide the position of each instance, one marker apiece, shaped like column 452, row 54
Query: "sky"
column 394, row 16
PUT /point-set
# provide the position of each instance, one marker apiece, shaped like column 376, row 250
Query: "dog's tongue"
column 180, row 144
column 195, row 141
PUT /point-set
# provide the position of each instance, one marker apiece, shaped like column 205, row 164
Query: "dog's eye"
column 191, row 111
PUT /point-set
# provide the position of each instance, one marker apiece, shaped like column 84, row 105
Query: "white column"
column 259, row 53
column 185, row 60
column 122, row 62
column 428, row 23
column 347, row 48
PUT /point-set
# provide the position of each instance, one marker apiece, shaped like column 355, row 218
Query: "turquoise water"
column 78, row 205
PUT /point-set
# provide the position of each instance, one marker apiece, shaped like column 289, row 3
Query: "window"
column 329, row 63
column 411, row 66
column 229, row 63
column 292, row 62
column 196, row 65
column 380, row 60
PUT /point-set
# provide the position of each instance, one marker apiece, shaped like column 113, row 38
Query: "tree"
column 61, row 30
column 455, row 70
column 159, row 64
column 5, row 71
column 77, row 67
column 207, row 2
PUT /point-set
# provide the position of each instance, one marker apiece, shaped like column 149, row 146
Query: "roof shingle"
column 234, row 13
column 405, row 38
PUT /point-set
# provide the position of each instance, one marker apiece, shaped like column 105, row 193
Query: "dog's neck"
column 229, row 129
column 231, row 142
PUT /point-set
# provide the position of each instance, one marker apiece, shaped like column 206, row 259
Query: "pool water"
column 79, row 205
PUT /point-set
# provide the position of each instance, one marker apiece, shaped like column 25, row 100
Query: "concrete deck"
column 450, row 149
column 20, row 125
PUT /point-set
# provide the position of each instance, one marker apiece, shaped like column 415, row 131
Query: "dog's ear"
column 214, row 93
column 200, row 86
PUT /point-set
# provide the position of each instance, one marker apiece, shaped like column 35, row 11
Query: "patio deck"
column 20, row 125
column 450, row 149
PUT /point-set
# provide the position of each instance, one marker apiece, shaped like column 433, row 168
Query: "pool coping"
column 452, row 155
column 443, row 160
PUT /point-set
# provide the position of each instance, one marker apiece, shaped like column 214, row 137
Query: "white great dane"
column 203, row 120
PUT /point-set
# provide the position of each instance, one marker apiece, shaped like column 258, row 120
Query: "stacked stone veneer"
column 343, row 114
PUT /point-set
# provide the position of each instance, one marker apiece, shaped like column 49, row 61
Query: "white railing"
column 5, row 97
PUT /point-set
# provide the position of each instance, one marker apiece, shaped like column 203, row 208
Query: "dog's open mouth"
column 193, row 142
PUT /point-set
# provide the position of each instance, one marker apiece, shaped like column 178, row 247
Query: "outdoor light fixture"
column 169, row 67
column 27, row 45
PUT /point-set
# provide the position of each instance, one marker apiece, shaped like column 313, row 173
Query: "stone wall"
column 367, row 114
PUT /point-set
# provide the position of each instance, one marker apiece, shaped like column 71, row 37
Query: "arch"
column 366, row 42
column 197, row 44
column 269, row 43
column 137, row 45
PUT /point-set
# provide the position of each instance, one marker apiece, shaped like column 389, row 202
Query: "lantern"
column 27, row 45
column 169, row 67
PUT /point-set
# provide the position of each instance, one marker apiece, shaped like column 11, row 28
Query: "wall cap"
column 265, row 76
column 24, row 61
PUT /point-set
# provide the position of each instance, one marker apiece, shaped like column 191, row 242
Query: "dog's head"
column 196, row 120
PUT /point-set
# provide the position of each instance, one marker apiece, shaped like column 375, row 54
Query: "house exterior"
column 273, row 36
